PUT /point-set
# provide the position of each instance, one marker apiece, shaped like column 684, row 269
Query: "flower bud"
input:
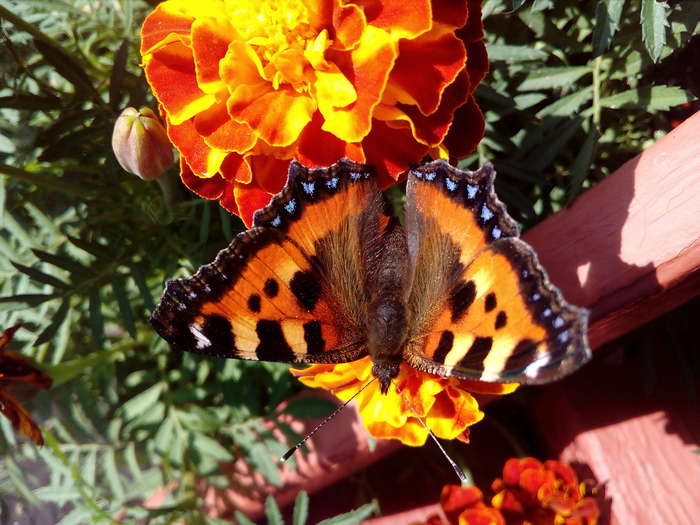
column 140, row 143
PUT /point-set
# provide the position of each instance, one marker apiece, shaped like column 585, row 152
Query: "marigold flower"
column 247, row 85
column 446, row 404
column 140, row 143
column 530, row 493
column 19, row 380
column 543, row 493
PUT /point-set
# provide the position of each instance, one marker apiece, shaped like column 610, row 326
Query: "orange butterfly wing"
column 278, row 292
column 481, row 305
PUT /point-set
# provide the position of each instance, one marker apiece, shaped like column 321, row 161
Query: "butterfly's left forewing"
column 287, row 289
column 481, row 305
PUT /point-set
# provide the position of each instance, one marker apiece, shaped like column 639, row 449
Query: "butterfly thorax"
column 387, row 311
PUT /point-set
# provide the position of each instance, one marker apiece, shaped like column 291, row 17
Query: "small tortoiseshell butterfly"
column 324, row 277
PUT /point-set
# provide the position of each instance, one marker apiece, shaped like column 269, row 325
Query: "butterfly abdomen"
column 387, row 311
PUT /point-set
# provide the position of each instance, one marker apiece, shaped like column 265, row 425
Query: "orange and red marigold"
column 247, row 85
column 529, row 493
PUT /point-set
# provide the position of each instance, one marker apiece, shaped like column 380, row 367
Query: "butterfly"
column 323, row 276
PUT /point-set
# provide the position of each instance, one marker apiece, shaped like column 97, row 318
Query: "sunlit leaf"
column 654, row 21
column 607, row 21
column 354, row 516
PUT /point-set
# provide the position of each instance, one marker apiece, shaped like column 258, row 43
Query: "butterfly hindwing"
column 276, row 293
column 490, row 313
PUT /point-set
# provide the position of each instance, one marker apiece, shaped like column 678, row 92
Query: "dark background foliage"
column 575, row 90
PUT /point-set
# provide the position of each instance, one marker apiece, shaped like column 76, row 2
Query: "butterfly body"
column 324, row 277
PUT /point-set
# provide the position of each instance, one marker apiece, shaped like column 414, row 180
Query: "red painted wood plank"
column 629, row 248
column 632, row 419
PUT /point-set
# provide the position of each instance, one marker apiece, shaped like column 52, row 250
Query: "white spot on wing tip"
column 416, row 174
column 430, row 175
column 558, row 322
column 202, row 340
column 290, row 206
column 471, row 190
column 333, row 183
column 276, row 221
column 496, row 232
column 450, row 184
column 532, row 370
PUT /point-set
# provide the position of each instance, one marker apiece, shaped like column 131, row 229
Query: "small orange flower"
column 247, row 85
column 445, row 404
column 544, row 494
column 530, row 493
column 19, row 380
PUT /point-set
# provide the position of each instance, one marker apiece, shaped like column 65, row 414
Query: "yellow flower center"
column 279, row 32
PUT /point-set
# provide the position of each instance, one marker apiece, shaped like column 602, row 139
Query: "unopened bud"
column 140, row 143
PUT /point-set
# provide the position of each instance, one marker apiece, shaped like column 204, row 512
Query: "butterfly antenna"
column 460, row 474
column 296, row 447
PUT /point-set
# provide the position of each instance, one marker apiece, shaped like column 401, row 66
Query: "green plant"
column 86, row 247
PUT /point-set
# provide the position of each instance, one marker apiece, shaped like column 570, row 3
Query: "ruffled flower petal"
column 170, row 71
column 400, row 18
column 446, row 407
column 448, row 55
column 379, row 81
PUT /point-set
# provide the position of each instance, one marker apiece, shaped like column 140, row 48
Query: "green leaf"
column 207, row 446
column 66, row 66
column 127, row 314
column 582, row 163
column 510, row 54
column 656, row 98
column 242, row 519
column 67, row 370
column 63, row 262
column 553, row 144
column 567, row 105
column 301, row 509
column 272, row 512
column 77, row 516
column 553, row 77
column 22, row 301
column 56, row 321
column 28, row 101
column 116, row 79
column 607, row 21
column 39, row 276
column 352, row 517
column 225, row 223
column 142, row 402
column 109, row 467
column 260, row 459
column 140, row 280
column 96, row 320
column 517, row 4
column 653, row 18
column 88, row 467
column 57, row 494
column 309, row 407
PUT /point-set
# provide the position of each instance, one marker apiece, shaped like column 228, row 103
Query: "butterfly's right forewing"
column 287, row 289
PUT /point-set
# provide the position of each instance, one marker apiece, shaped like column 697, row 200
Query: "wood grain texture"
column 629, row 248
column 630, row 419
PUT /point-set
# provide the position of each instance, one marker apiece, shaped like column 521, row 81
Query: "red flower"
column 530, row 493
column 247, row 85
column 19, row 380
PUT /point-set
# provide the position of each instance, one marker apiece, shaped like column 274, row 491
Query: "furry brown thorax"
column 387, row 310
